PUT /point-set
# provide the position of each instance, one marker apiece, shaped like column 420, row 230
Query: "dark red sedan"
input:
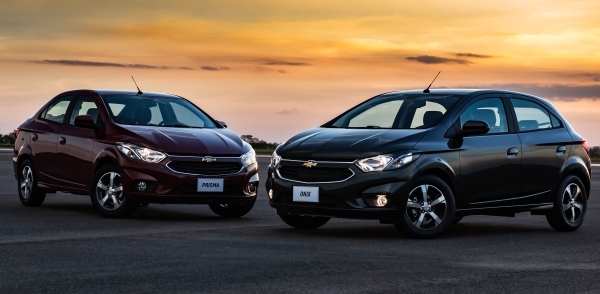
column 127, row 149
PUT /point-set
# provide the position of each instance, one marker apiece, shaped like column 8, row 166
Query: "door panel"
column 546, row 146
column 488, row 171
column 490, row 163
column 75, row 147
column 543, row 159
column 44, row 137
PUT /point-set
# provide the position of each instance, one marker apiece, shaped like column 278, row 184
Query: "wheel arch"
column 438, row 167
column 575, row 166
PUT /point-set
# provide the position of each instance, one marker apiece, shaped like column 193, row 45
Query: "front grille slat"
column 314, row 174
column 205, row 168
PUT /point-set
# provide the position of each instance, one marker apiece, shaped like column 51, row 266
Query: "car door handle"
column 62, row 141
column 512, row 151
column 34, row 137
column 560, row 150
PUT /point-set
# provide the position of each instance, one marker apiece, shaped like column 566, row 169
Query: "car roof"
column 445, row 91
column 133, row 93
column 465, row 92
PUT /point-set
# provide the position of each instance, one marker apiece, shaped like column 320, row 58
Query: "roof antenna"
column 427, row 90
column 140, row 91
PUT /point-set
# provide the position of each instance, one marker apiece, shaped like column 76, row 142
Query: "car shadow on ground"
column 158, row 213
column 389, row 232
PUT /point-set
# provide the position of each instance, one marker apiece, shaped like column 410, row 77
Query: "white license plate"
column 210, row 185
column 305, row 194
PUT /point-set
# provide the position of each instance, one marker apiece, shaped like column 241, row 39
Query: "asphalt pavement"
column 64, row 246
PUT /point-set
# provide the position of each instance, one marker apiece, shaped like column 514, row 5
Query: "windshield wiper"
column 373, row 127
column 178, row 126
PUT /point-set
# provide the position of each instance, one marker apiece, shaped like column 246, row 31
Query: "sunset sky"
column 272, row 68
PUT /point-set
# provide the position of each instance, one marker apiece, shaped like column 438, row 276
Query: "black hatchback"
column 422, row 161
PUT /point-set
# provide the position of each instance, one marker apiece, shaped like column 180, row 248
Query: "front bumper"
column 169, row 187
column 352, row 198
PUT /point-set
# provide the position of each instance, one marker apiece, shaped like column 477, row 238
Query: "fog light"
column 270, row 193
column 141, row 186
column 252, row 187
column 381, row 200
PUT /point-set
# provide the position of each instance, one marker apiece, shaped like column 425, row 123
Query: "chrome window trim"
column 236, row 173
column 310, row 183
column 509, row 206
column 508, row 199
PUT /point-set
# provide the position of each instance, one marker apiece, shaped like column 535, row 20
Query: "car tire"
column 570, row 205
column 233, row 209
column 304, row 222
column 29, row 193
column 430, row 209
column 108, row 195
column 457, row 219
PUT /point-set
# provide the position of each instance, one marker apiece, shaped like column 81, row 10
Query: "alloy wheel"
column 109, row 191
column 26, row 184
column 426, row 207
column 572, row 203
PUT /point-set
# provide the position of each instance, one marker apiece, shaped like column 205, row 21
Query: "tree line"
column 258, row 143
column 8, row 138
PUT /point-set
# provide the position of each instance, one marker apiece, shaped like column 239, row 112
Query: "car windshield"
column 157, row 111
column 397, row 111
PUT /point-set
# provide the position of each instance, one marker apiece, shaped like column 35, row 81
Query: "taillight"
column 17, row 131
column 585, row 146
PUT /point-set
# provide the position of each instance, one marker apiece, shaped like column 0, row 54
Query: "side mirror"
column 474, row 127
column 85, row 121
column 222, row 123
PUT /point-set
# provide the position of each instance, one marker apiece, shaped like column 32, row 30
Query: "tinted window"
column 84, row 106
column 531, row 116
column 555, row 121
column 57, row 110
column 490, row 110
column 156, row 111
column 398, row 111
column 381, row 115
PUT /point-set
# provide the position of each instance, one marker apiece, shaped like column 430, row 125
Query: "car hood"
column 186, row 140
column 348, row 144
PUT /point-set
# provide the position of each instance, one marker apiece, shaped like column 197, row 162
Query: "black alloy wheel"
column 108, row 195
column 29, row 193
column 429, row 209
column 570, row 204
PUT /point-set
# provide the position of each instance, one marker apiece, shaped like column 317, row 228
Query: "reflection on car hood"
column 348, row 144
column 186, row 140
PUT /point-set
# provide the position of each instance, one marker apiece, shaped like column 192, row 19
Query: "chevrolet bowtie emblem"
column 208, row 159
column 310, row 163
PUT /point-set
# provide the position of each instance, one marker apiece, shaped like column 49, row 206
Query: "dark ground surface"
column 65, row 246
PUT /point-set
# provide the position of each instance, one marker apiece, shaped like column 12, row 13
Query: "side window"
column 84, row 106
column 555, row 121
column 531, row 116
column 382, row 116
column 490, row 110
column 57, row 110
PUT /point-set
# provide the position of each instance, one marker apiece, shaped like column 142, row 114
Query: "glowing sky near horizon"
column 273, row 68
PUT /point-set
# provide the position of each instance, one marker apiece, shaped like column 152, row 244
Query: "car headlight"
column 275, row 159
column 140, row 153
column 375, row 163
column 403, row 160
column 249, row 158
column 385, row 162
